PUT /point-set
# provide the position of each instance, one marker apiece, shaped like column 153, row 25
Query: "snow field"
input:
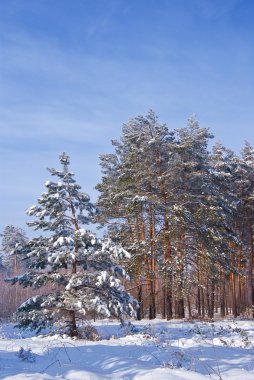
column 145, row 350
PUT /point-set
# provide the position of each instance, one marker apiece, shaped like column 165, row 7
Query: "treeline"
column 186, row 214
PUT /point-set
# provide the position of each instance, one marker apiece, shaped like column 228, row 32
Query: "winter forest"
column 166, row 292
column 177, row 218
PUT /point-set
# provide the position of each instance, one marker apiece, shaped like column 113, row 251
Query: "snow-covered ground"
column 146, row 350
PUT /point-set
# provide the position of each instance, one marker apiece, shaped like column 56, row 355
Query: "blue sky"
column 73, row 71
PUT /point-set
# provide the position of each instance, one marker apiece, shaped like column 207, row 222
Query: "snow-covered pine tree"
column 133, row 200
column 160, row 197
column 84, row 272
column 244, row 224
column 11, row 237
column 224, row 215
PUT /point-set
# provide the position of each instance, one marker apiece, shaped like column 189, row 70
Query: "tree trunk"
column 180, row 308
column 222, row 294
column 73, row 325
column 140, row 302
column 169, row 305
column 199, row 301
column 189, row 306
column 202, row 302
column 251, row 268
column 211, row 301
column 233, row 288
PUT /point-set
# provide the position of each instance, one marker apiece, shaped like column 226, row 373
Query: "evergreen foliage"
column 11, row 237
column 174, row 205
column 84, row 273
column 185, row 215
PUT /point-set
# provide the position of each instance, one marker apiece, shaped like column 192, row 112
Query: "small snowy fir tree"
column 82, row 273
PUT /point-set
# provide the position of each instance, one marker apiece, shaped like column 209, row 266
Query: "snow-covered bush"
column 127, row 328
column 89, row 332
column 26, row 355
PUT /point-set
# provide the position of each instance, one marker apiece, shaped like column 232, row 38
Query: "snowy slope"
column 146, row 350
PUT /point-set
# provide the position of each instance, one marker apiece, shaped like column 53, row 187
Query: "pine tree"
column 244, row 184
column 227, row 244
column 84, row 272
column 11, row 237
column 162, row 198
column 132, row 196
